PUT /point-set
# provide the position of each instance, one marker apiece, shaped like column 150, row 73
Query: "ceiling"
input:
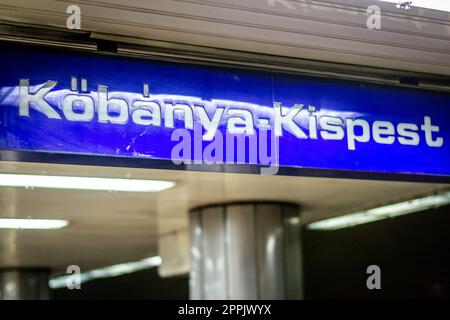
column 112, row 227
column 334, row 30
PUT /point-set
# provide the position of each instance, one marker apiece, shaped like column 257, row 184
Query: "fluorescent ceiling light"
column 385, row 212
column 39, row 224
column 107, row 272
column 441, row 5
column 83, row 183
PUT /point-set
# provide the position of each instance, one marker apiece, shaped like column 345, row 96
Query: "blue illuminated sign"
column 102, row 105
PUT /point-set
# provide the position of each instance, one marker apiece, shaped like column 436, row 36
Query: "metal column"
column 24, row 284
column 246, row 251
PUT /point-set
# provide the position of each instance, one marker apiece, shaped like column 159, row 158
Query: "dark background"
column 413, row 252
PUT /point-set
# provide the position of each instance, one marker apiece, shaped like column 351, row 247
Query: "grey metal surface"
column 196, row 267
column 325, row 31
column 293, row 253
column 24, row 284
column 242, row 266
column 246, row 251
column 270, row 249
column 159, row 49
column 213, row 256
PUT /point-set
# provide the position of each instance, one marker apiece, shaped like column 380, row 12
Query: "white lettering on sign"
column 304, row 122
